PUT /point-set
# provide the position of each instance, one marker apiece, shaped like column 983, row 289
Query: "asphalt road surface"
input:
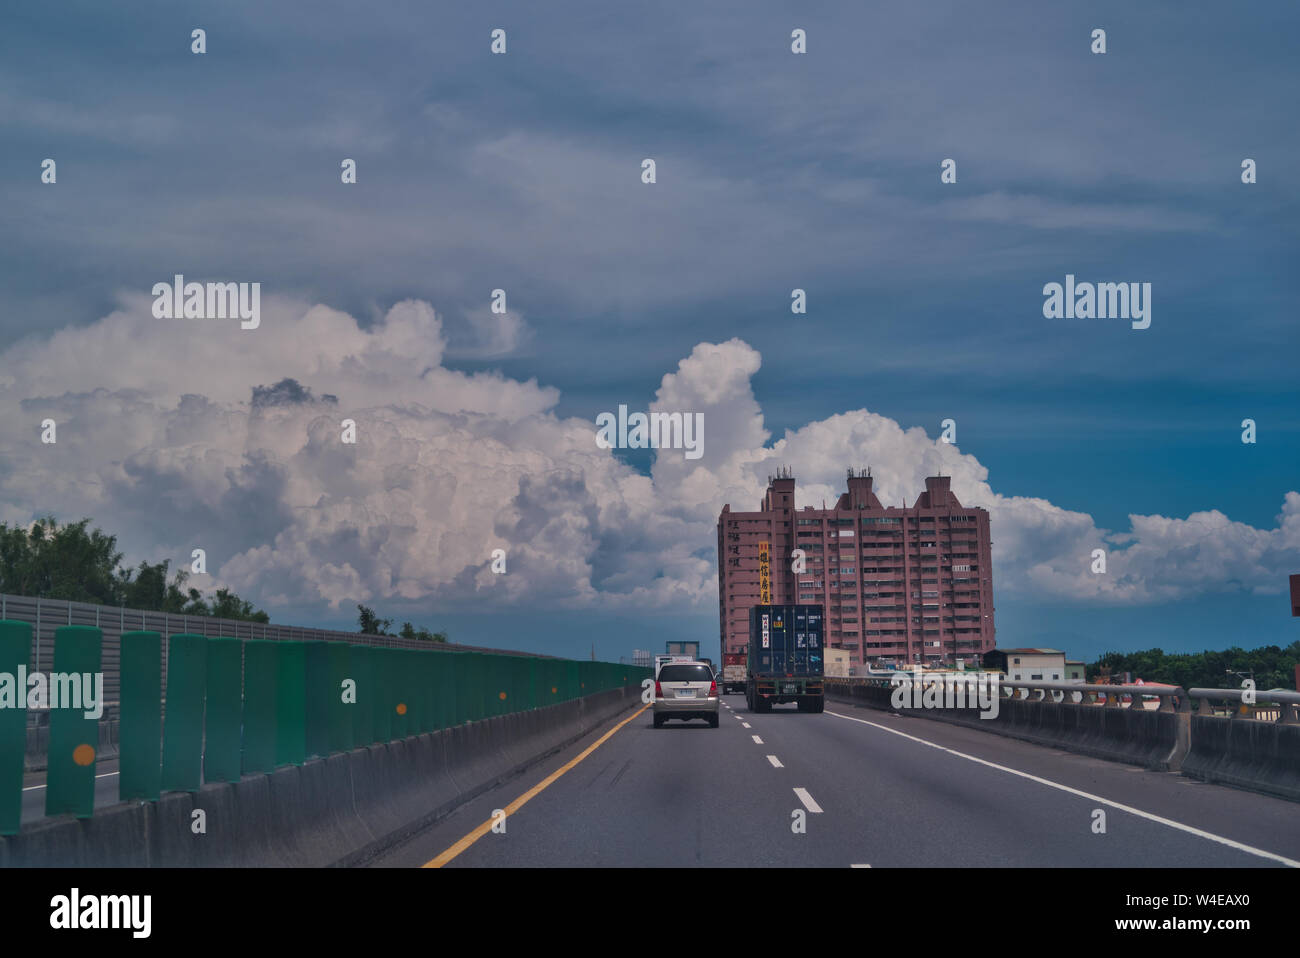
column 848, row 787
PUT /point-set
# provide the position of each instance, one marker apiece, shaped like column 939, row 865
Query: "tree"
column 227, row 605
column 410, row 631
column 68, row 562
column 371, row 624
column 1273, row 667
column 59, row 562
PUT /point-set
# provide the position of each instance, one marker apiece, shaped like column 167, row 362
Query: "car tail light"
column 713, row 688
column 659, row 690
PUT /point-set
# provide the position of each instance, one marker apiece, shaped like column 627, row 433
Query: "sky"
column 774, row 171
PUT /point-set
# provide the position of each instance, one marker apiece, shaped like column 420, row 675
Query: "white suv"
column 686, row 690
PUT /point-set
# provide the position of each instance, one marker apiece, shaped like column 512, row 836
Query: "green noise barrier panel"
column 74, row 739
column 318, row 698
column 15, row 655
column 362, row 710
column 381, row 710
column 139, row 759
column 414, row 690
column 341, row 691
column 187, row 666
column 291, row 705
column 261, row 672
column 497, row 685
column 478, row 692
column 224, row 711
column 432, row 663
column 237, row 707
column 448, row 669
column 398, row 705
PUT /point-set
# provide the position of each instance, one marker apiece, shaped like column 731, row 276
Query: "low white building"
column 837, row 662
column 1032, row 665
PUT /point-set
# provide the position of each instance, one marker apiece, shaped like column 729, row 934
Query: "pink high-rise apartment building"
column 900, row 585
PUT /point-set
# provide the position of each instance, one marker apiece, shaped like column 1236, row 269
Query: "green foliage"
column 59, row 562
column 370, row 624
column 1274, row 667
column 68, row 562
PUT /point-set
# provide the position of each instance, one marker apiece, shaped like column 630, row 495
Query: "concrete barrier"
column 1154, row 739
column 1246, row 753
column 340, row 810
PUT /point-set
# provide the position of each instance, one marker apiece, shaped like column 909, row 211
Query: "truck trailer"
column 785, row 658
column 734, row 671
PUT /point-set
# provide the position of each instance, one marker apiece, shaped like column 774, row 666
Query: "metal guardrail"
column 1287, row 702
column 1172, row 698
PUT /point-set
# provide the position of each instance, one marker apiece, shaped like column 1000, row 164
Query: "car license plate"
column 686, row 693
column 789, row 689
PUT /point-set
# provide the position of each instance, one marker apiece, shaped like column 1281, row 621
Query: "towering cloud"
column 181, row 433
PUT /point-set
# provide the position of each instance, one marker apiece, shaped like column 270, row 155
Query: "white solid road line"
column 807, row 800
column 757, row 740
column 776, row 762
column 1210, row 836
column 33, row 787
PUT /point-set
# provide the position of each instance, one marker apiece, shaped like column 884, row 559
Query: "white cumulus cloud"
column 183, row 433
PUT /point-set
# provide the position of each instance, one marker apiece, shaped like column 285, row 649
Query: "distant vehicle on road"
column 734, row 671
column 785, row 657
column 686, row 690
column 662, row 660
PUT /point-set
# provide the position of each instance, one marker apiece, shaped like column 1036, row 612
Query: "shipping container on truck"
column 733, row 671
column 785, row 661
column 690, row 647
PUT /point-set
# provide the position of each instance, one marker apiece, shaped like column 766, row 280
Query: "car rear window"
column 685, row 673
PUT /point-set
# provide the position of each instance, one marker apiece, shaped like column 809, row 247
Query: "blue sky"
column 775, row 171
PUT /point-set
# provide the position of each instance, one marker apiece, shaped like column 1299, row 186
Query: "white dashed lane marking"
column 807, row 800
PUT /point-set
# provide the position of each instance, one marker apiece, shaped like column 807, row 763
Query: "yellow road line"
column 523, row 799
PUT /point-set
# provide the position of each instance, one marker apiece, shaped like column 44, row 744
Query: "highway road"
column 849, row 787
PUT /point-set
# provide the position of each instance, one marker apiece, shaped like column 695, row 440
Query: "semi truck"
column 734, row 671
column 785, row 657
